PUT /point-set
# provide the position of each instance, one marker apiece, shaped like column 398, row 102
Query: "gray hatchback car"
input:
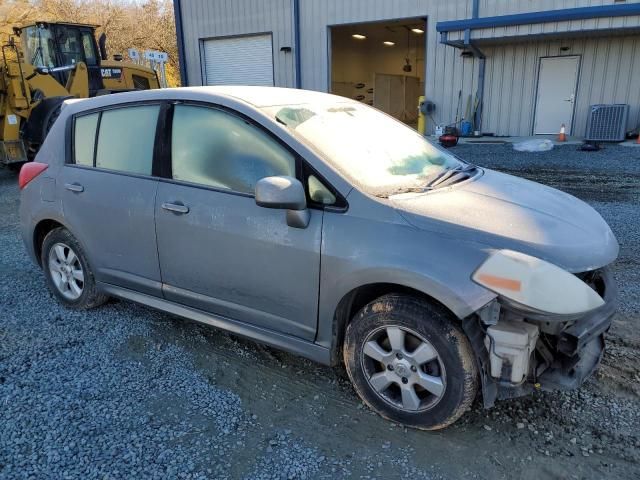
column 323, row 227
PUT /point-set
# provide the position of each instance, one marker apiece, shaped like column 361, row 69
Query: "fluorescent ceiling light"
column 358, row 36
column 389, row 44
column 417, row 30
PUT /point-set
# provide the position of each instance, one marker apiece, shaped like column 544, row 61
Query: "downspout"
column 467, row 44
column 296, row 34
column 177, row 12
column 482, row 60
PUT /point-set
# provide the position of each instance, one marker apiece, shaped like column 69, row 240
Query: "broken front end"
column 545, row 330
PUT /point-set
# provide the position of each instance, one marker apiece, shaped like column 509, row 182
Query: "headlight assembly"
column 536, row 284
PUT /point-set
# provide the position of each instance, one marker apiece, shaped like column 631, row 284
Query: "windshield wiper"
column 447, row 174
column 438, row 180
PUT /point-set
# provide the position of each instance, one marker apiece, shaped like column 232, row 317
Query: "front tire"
column 67, row 271
column 410, row 362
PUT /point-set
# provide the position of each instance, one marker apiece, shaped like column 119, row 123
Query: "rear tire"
column 67, row 271
column 40, row 122
column 410, row 362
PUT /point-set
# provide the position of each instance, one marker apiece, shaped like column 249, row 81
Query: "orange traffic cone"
column 562, row 136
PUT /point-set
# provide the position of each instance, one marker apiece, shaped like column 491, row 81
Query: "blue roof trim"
column 580, row 13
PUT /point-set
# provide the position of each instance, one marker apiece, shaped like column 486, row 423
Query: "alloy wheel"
column 66, row 271
column 403, row 368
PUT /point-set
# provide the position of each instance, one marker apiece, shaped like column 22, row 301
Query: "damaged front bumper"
column 567, row 352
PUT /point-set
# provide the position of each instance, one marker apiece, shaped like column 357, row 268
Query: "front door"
column 108, row 195
column 557, row 82
column 218, row 250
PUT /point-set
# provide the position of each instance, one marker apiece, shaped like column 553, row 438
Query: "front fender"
column 357, row 252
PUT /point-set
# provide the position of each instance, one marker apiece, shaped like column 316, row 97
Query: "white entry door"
column 557, row 82
column 238, row 61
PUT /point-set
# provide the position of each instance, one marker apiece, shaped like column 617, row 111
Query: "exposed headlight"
column 536, row 284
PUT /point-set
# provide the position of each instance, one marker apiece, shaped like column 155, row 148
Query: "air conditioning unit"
column 607, row 123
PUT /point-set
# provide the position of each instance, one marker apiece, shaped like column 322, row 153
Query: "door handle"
column 74, row 187
column 176, row 208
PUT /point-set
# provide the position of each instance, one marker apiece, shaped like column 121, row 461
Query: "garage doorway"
column 556, row 98
column 381, row 64
column 246, row 60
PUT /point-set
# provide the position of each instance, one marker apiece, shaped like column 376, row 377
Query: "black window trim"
column 340, row 205
column 96, row 138
column 302, row 168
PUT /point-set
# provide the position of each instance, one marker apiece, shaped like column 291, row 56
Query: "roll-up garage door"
column 239, row 61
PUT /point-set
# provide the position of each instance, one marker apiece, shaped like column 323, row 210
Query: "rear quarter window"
column 84, row 139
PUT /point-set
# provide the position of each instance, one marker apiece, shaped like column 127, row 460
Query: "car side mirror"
column 284, row 193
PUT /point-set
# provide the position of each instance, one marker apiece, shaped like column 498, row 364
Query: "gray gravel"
column 126, row 392
column 100, row 394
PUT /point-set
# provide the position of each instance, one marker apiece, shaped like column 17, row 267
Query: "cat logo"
column 111, row 72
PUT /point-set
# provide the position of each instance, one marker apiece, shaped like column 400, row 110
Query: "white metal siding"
column 610, row 66
column 490, row 8
column 446, row 71
column 204, row 19
column 238, row 61
column 609, row 73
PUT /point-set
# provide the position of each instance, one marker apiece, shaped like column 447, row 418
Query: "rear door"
column 218, row 250
column 108, row 192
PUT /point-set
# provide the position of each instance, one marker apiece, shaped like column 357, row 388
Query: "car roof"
column 258, row 97
column 272, row 96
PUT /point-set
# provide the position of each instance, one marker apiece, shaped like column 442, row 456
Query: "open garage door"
column 381, row 64
column 238, row 61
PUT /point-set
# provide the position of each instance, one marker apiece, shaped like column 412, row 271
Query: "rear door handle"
column 176, row 208
column 74, row 187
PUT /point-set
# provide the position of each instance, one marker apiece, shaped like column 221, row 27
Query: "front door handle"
column 176, row 208
column 74, row 187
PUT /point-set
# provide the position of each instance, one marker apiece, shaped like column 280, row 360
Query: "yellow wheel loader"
column 50, row 63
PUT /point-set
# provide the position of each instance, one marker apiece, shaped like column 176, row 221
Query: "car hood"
column 501, row 211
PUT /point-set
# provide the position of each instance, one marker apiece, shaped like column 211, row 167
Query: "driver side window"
column 214, row 148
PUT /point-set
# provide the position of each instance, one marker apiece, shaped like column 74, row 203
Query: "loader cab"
column 52, row 45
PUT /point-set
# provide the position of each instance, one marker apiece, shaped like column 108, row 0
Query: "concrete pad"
column 494, row 140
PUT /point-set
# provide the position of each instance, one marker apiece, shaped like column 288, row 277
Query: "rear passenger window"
column 126, row 139
column 84, row 138
column 214, row 148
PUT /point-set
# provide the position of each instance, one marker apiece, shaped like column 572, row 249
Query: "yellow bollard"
column 422, row 124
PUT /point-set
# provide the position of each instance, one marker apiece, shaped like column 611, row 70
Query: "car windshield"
column 375, row 151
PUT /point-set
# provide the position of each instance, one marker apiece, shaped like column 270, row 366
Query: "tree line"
column 142, row 24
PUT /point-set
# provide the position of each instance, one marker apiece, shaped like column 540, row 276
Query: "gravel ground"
column 124, row 391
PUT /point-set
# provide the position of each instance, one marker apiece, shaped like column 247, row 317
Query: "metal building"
column 516, row 67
